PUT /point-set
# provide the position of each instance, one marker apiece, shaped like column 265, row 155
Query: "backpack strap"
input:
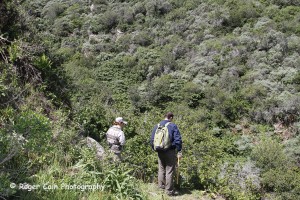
column 167, row 124
column 112, row 139
column 159, row 126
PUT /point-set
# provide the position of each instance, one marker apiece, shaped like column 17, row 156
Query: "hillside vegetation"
column 229, row 70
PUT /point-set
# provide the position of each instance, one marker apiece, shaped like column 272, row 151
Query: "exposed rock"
column 91, row 143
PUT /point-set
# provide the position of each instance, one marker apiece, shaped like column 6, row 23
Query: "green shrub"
column 100, row 1
column 193, row 94
column 8, row 86
column 269, row 155
column 240, row 181
column 53, row 9
column 176, row 14
column 143, row 39
column 92, row 119
column 36, row 129
column 139, row 8
column 208, row 151
column 292, row 147
column 109, row 20
column 244, row 144
column 43, row 63
column 240, row 13
column 191, row 4
column 285, row 2
column 10, row 19
column 124, row 42
column 284, row 182
column 15, row 51
column 25, row 141
column 6, row 190
column 219, row 65
column 63, row 27
column 296, row 81
column 62, row 173
column 121, row 184
column 163, row 90
column 64, row 54
column 142, row 159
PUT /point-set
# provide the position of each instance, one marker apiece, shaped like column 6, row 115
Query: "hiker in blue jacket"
column 167, row 158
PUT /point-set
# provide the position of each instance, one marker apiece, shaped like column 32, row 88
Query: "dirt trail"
column 153, row 193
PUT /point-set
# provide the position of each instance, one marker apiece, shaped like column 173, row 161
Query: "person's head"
column 120, row 121
column 169, row 116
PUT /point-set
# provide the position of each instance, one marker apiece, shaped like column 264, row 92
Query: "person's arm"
column 152, row 137
column 122, row 138
column 177, row 139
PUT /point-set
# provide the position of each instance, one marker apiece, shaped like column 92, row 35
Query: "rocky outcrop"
column 91, row 143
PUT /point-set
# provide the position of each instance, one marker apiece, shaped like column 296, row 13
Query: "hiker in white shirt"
column 116, row 138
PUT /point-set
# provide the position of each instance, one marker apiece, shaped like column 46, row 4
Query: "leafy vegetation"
column 229, row 70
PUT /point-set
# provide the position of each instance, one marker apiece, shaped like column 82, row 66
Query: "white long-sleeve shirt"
column 115, row 134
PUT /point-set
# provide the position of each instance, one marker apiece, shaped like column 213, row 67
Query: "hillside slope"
column 228, row 69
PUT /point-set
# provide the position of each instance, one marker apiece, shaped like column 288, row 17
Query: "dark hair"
column 169, row 115
column 117, row 123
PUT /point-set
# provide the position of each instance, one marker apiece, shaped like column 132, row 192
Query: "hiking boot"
column 172, row 193
column 162, row 187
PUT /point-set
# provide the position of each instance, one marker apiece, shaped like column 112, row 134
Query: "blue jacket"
column 174, row 133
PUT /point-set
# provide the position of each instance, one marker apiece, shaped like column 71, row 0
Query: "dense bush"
column 241, row 181
column 227, row 69
column 240, row 12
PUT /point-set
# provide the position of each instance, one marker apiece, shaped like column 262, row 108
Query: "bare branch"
column 14, row 98
column 1, row 197
column 2, row 53
column 3, row 39
column 15, row 147
column 10, row 155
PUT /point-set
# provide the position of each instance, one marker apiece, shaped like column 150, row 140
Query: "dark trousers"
column 166, row 169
